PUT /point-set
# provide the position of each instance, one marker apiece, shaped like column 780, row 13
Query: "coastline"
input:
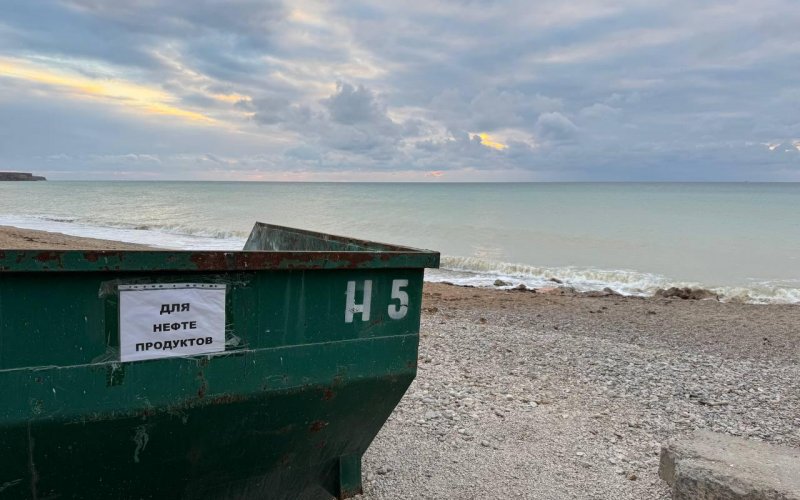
column 567, row 395
column 742, row 247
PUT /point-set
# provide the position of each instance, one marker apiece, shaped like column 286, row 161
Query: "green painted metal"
column 285, row 412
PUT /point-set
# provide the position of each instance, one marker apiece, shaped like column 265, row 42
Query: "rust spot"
column 357, row 258
column 48, row 256
column 97, row 255
column 351, row 493
column 328, row 394
column 206, row 261
column 201, row 391
column 318, row 425
column 209, row 260
column 224, row 399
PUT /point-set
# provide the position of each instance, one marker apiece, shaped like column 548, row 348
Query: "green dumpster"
column 262, row 373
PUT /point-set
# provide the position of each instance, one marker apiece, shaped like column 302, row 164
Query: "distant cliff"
column 20, row 176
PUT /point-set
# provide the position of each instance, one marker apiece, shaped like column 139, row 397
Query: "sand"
column 24, row 239
column 541, row 395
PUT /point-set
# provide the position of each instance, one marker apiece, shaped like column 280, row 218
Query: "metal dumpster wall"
column 298, row 389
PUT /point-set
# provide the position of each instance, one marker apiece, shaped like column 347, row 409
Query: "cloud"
column 555, row 127
column 276, row 110
column 141, row 98
column 612, row 89
column 352, row 105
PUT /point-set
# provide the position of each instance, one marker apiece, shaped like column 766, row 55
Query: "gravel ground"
column 529, row 395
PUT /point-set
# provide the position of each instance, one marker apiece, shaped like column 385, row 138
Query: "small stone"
column 485, row 443
column 580, row 453
column 632, row 476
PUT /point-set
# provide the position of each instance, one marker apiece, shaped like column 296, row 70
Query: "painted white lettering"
column 351, row 308
column 399, row 311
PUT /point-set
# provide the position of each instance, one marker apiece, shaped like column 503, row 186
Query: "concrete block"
column 713, row 466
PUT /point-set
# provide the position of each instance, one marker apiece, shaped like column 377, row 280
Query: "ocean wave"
column 183, row 237
column 180, row 229
column 472, row 271
column 189, row 231
column 759, row 294
column 626, row 281
column 58, row 219
column 479, row 272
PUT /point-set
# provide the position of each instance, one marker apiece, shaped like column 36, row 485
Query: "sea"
column 741, row 240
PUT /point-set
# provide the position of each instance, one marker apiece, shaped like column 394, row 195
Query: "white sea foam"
column 167, row 236
column 171, row 228
column 478, row 272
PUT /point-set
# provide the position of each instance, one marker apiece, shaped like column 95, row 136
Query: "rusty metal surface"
column 82, row 261
column 271, row 237
column 286, row 411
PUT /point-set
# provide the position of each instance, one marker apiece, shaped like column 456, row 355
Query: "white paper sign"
column 171, row 320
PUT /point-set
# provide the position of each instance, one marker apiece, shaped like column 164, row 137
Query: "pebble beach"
column 528, row 395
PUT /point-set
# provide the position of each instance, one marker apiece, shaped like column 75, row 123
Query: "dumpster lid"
column 268, row 247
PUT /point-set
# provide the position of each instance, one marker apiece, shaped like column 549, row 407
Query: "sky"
column 593, row 90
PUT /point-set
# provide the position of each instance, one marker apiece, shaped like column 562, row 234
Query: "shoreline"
column 16, row 238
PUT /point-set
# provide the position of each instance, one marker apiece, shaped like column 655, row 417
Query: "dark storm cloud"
column 608, row 89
